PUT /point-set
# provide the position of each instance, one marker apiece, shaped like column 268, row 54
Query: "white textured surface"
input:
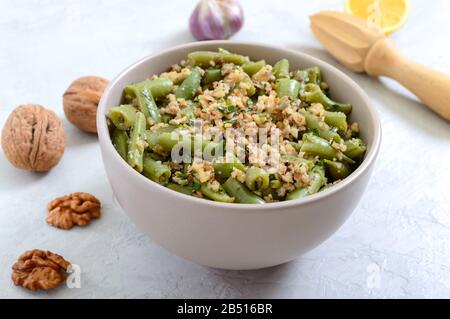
column 396, row 244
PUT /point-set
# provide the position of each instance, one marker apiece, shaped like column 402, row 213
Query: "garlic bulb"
column 216, row 19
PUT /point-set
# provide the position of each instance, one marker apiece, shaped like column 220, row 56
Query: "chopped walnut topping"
column 174, row 106
column 177, row 76
column 178, row 121
column 180, row 179
column 227, row 68
column 354, row 127
column 158, row 127
column 238, row 174
column 298, row 119
column 39, row 269
column 73, row 209
column 318, row 110
column 339, row 147
column 234, row 77
column 264, row 75
column 214, row 186
column 281, row 192
column 202, row 171
column 268, row 198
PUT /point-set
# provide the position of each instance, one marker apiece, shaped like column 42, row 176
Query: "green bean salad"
column 174, row 128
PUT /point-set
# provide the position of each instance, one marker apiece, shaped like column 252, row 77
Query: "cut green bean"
column 324, row 131
column 156, row 170
column 309, row 164
column 298, row 193
column 187, row 190
column 252, row 68
column 122, row 116
column 318, row 179
column 247, row 81
column 314, row 75
column 151, row 138
column 336, row 119
column 355, row 148
column 312, row 93
column 189, row 86
column 166, row 118
column 302, row 76
column 287, row 87
column 318, row 146
column 148, row 106
column 275, row 184
column 157, row 157
column 295, row 145
column 256, row 179
column 281, row 69
column 220, row 196
column 137, row 143
column 337, row 170
column 188, row 112
column 168, row 140
column 142, row 96
column 224, row 170
column 120, row 142
column 158, row 87
column 222, row 50
column 212, row 75
column 240, row 192
column 209, row 58
column 212, row 150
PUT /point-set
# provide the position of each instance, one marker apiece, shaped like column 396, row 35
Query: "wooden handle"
column 430, row 86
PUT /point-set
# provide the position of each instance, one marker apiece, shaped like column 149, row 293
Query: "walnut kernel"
column 73, row 209
column 39, row 269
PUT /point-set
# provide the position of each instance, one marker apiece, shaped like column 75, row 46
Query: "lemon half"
column 389, row 15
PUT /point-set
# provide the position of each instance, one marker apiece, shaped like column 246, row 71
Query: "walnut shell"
column 33, row 138
column 81, row 101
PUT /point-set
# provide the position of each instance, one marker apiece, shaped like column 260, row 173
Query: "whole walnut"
column 81, row 101
column 33, row 138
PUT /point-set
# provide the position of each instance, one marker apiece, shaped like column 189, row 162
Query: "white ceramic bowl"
column 237, row 236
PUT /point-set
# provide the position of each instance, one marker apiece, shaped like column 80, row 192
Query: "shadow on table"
column 18, row 179
column 13, row 178
column 77, row 138
column 273, row 282
column 408, row 108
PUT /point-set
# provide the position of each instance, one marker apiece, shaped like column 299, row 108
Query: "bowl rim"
column 370, row 157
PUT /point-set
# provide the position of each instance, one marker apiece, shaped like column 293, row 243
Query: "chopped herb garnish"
column 230, row 121
column 195, row 185
column 314, row 131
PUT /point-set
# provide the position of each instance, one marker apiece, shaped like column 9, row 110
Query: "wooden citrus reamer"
column 362, row 48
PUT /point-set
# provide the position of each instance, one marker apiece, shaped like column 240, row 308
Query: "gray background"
column 396, row 244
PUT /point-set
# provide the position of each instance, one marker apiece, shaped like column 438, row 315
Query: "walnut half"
column 73, row 209
column 39, row 269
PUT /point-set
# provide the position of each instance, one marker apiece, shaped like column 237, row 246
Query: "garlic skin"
column 216, row 19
